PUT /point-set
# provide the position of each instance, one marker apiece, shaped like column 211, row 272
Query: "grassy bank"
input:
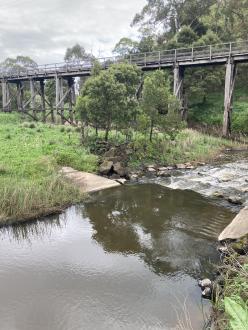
column 210, row 112
column 31, row 155
column 187, row 145
column 231, row 301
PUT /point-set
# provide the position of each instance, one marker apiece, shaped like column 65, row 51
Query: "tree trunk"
column 106, row 134
column 151, row 131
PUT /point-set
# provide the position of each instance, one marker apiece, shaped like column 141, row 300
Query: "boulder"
column 164, row 174
column 106, row 167
column 226, row 177
column 238, row 228
column 109, row 153
column 205, row 283
column 189, row 166
column 151, row 170
column 161, row 169
column 120, row 169
column 235, row 200
column 181, row 166
column 218, row 194
column 134, row 177
column 244, row 189
column 207, row 293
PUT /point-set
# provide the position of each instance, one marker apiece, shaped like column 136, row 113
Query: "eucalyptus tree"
column 158, row 101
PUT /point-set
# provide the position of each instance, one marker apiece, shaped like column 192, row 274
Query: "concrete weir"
column 88, row 182
column 238, row 228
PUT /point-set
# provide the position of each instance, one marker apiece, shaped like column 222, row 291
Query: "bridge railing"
column 141, row 59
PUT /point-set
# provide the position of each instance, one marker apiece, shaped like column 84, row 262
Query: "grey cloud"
column 44, row 29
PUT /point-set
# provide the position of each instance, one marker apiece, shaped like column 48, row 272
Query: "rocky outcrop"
column 237, row 228
column 106, row 167
column 114, row 162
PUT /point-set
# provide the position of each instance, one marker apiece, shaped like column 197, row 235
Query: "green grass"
column 188, row 146
column 31, row 155
column 211, row 111
column 231, row 302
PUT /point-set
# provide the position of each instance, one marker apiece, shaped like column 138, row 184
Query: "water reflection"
column 35, row 230
column 172, row 231
column 124, row 260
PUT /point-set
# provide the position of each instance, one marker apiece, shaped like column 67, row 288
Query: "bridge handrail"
column 142, row 59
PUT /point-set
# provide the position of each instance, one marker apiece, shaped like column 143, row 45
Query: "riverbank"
column 230, row 298
column 32, row 155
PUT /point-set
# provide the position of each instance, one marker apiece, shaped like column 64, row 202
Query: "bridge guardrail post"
column 210, row 52
column 192, row 53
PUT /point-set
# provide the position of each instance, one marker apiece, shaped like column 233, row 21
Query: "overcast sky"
column 43, row 29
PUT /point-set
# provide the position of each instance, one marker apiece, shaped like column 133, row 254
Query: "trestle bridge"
column 64, row 74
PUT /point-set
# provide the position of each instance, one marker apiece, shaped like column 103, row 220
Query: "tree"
column 186, row 36
column 157, row 99
column 102, row 97
column 170, row 15
column 125, row 47
column 130, row 77
column 18, row 64
column 77, row 53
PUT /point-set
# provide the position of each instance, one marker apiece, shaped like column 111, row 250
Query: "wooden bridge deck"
column 185, row 57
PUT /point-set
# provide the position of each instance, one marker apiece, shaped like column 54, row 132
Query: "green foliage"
column 157, row 101
column 18, row 64
column 109, row 98
column 77, row 53
column 186, row 36
column 187, row 146
column 125, row 46
column 238, row 313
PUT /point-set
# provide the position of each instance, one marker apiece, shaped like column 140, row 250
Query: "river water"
column 128, row 258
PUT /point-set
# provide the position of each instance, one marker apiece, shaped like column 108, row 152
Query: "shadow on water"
column 171, row 230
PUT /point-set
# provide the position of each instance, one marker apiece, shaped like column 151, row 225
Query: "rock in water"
column 181, row 166
column 205, row 283
column 235, row 200
column 238, row 227
column 106, row 167
column 207, row 293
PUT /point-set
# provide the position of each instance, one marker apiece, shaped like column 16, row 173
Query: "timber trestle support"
column 29, row 98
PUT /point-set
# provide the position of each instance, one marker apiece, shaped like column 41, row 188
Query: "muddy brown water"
column 128, row 258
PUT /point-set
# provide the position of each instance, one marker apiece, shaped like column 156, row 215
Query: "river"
column 128, row 258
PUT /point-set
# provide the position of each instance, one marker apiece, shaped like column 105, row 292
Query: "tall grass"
column 21, row 200
column 231, row 300
column 30, row 159
column 188, row 146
